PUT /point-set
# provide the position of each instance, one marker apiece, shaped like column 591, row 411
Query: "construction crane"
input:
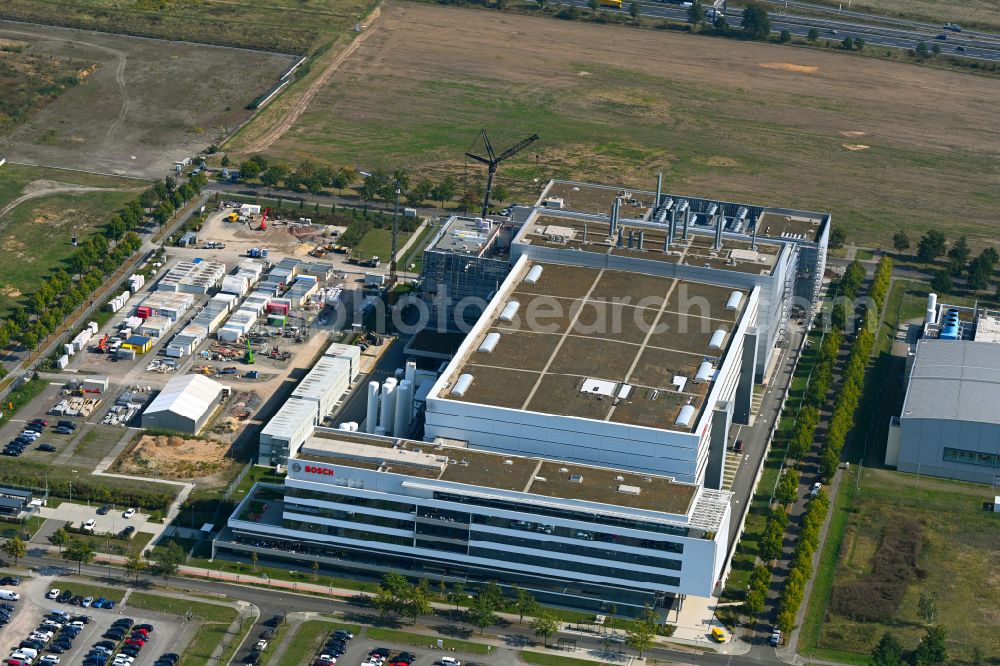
column 492, row 161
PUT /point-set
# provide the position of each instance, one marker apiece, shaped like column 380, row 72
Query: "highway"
column 985, row 47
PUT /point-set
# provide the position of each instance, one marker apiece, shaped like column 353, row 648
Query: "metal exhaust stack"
column 671, row 229
column 585, row 234
column 614, row 218
column 719, row 223
column 659, row 188
column 687, row 221
column 631, row 238
column 753, row 234
column 642, row 239
column 621, row 237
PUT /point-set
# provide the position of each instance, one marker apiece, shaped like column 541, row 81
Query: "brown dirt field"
column 617, row 104
column 175, row 458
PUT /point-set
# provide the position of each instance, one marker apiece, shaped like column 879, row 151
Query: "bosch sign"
column 312, row 469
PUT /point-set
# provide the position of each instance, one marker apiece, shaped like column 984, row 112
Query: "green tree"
column 942, row 282
column 225, row 161
column 384, row 601
column 931, row 246
column 756, row 23
column 593, row 4
column 932, row 649
column 848, row 43
column 936, row 49
column 960, row 252
column 418, row 601
column 927, row 607
column 79, row 551
column 922, row 50
column 273, row 175
column 837, row 238
column 456, row 595
column 785, row 36
column 641, row 633
column 695, row 13
column 544, row 626
column 524, row 603
column 15, row 548
column 421, row 192
column 788, row 487
column 813, row 35
column 753, row 604
column 135, row 564
column 253, row 561
column 635, row 10
column 445, row 191
column 315, row 568
column 168, row 561
column 483, row 613
column 901, row 241
column 59, row 538
column 249, row 170
column 859, row 43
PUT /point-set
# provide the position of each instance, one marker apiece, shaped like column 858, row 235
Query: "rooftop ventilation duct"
column 685, row 417
column 533, row 275
column 490, row 342
column 509, row 311
column 720, row 222
column 718, row 338
column 705, row 372
column 462, row 385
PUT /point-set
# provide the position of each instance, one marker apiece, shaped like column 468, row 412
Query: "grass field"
column 306, row 640
column 213, row 627
column 147, row 103
column 978, row 14
column 378, row 243
column 422, row 641
column 958, row 562
column 245, row 25
column 117, row 546
column 763, row 123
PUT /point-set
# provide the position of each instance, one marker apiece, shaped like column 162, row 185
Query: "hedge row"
column 800, row 570
column 854, row 374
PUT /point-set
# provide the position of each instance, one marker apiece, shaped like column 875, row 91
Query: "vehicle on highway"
column 832, row 32
column 617, row 4
column 954, row 27
column 960, row 49
column 943, row 35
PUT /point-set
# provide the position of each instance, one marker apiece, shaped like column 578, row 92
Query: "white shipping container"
column 68, row 349
column 62, row 362
column 93, row 327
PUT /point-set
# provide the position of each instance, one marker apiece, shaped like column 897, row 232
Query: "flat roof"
column 954, row 380
column 599, row 344
column 793, row 225
column 735, row 254
column 537, row 476
column 464, row 235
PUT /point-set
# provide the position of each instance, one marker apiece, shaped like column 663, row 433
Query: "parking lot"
column 170, row 633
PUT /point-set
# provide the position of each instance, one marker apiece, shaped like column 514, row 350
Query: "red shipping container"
column 143, row 312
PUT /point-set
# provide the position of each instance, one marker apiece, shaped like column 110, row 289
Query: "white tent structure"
column 184, row 404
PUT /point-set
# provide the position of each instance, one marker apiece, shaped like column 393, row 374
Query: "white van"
column 450, row 661
column 31, row 652
column 9, row 595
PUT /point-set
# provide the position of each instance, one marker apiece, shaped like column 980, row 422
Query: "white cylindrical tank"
column 411, row 371
column 371, row 418
column 931, row 308
column 404, row 409
column 533, row 275
column 717, row 339
column 388, row 415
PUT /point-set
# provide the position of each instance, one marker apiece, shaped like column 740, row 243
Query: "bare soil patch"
column 854, row 147
column 174, row 458
column 790, row 67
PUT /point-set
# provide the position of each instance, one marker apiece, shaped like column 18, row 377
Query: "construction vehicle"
column 319, row 251
column 263, row 220
column 233, row 217
column 102, row 344
column 341, row 249
column 248, row 359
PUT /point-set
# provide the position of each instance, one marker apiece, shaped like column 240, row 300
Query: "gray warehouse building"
column 185, row 404
column 950, row 422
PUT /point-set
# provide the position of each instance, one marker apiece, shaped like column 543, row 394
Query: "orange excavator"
column 102, row 344
column 263, row 220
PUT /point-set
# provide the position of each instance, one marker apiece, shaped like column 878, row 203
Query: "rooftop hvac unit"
column 734, row 300
column 718, row 338
column 490, row 342
column 533, row 275
column 684, row 418
column 576, row 478
column 509, row 311
column 462, row 385
column 629, row 490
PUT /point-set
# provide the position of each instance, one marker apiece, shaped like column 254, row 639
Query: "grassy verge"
column 546, row 659
column 20, row 397
column 114, row 546
column 378, row 243
column 30, row 526
column 307, row 639
column 88, row 590
column 178, row 606
column 415, row 255
column 422, row 640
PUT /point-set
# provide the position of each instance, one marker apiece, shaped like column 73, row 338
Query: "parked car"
column 775, row 637
column 738, row 445
column 128, row 513
column 89, row 525
column 87, row 601
column 815, row 489
column 65, row 596
column 48, row 448
column 10, row 580
column 103, row 509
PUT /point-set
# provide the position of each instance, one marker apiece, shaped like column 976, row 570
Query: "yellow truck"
column 617, row 4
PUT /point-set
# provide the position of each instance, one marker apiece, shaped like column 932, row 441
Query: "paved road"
column 835, row 30
column 271, row 602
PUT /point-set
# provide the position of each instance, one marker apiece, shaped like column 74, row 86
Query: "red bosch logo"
column 312, row 469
